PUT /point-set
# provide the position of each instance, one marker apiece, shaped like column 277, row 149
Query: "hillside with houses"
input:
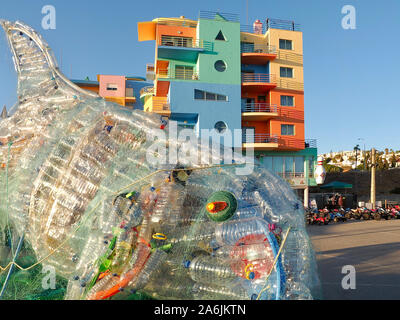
column 360, row 160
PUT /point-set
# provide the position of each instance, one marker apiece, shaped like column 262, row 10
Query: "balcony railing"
column 282, row 24
column 178, row 74
column 258, row 78
column 291, row 175
column 270, row 24
column 185, row 43
column 290, row 85
column 257, row 48
column 211, row 15
column 290, row 57
column 159, row 106
column 260, row 107
column 310, row 143
column 177, row 23
column 259, row 138
column 260, row 29
column 147, row 90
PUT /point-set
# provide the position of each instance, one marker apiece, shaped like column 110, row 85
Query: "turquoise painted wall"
column 227, row 51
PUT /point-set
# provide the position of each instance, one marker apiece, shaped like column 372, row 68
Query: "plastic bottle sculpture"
column 77, row 188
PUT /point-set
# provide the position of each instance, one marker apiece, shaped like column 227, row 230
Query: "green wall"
column 227, row 51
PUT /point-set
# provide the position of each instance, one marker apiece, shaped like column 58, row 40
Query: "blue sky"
column 351, row 76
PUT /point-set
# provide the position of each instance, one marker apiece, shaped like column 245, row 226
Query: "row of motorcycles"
column 325, row 216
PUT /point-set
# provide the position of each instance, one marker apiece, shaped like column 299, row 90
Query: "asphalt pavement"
column 372, row 247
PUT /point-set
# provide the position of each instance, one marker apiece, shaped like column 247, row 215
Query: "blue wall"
column 137, row 86
column 209, row 112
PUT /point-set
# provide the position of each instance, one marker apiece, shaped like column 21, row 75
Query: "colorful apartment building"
column 119, row 89
column 216, row 73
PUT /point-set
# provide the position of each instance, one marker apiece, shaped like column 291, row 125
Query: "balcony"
column 254, row 29
column 259, row 111
column 257, row 54
column 177, row 22
column 146, row 91
column 257, row 81
column 290, row 85
column 212, row 15
column 310, row 143
column 291, row 143
column 158, row 105
column 294, row 178
column 182, row 48
column 260, row 141
column 179, row 74
column 282, row 25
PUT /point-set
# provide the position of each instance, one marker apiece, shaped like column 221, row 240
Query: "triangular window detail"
column 220, row 36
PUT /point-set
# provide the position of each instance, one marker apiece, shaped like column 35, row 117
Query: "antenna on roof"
column 247, row 12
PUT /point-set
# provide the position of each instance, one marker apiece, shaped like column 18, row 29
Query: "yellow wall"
column 287, row 58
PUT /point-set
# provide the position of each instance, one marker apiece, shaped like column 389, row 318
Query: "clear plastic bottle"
column 151, row 265
column 213, row 292
column 228, row 233
column 208, row 270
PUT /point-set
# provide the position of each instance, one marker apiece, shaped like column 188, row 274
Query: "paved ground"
column 372, row 247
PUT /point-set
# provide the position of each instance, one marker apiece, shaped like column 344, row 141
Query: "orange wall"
column 174, row 31
column 289, row 115
column 260, row 126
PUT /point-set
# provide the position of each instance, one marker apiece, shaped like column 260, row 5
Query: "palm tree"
column 356, row 149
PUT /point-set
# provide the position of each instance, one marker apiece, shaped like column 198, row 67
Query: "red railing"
column 260, row 107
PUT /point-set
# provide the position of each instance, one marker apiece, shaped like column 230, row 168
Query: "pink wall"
column 104, row 80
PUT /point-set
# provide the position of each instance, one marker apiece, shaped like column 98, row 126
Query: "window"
column 184, row 72
column 220, row 66
column 286, row 166
column 285, row 44
column 112, row 87
column 287, row 130
column 220, row 36
column 286, row 72
column 176, row 41
column 199, row 95
column 287, row 101
column 220, row 126
column 210, row 96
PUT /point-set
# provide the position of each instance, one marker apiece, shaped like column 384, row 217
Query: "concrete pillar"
column 373, row 188
column 306, row 198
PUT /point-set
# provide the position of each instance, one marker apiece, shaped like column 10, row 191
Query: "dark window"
column 285, row 44
column 210, row 96
column 112, row 87
column 287, row 130
column 220, row 66
column 199, row 95
column 220, row 126
column 220, row 36
column 286, row 72
column 287, row 101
